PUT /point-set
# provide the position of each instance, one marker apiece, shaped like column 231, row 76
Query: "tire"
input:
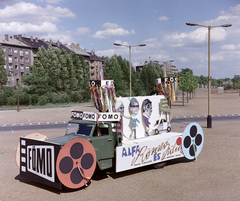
column 159, row 165
column 168, row 129
column 156, row 131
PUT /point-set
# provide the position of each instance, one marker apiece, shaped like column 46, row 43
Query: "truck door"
column 103, row 143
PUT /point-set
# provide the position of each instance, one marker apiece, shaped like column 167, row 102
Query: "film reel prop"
column 35, row 136
column 76, row 163
column 192, row 141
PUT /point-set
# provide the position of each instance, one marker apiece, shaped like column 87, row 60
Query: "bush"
column 76, row 97
column 33, row 99
column 11, row 101
column 2, row 99
column 24, row 99
column 60, row 98
column 8, row 91
column 43, row 100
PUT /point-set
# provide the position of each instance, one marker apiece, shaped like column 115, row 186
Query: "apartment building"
column 95, row 64
column 18, row 57
column 20, row 53
column 166, row 66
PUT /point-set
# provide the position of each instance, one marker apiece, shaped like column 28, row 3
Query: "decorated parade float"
column 125, row 133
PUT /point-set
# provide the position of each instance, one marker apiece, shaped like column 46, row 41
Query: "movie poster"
column 140, row 116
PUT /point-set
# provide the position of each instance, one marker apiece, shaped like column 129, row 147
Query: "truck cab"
column 104, row 137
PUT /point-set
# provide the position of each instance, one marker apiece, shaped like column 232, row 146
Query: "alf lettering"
column 130, row 151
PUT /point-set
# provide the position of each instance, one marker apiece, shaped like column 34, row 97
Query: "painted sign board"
column 166, row 79
column 92, row 116
column 146, row 151
column 98, row 83
column 140, row 115
column 37, row 161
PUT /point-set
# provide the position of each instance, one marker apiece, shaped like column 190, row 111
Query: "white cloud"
column 19, row 27
column 83, row 30
column 65, row 38
column 163, row 18
column 30, row 13
column 53, row 1
column 112, row 30
column 197, row 37
column 228, row 47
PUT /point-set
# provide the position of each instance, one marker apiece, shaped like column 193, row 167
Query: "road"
column 60, row 125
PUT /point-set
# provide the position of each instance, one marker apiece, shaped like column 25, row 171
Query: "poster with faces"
column 139, row 115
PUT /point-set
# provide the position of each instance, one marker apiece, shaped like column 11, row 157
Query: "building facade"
column 20, row 53
column 95, row 64
column 18, row 57
column 167, row 67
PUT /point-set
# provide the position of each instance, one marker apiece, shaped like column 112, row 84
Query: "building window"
column 15, row 51
column 5, row 66
column 10, row 67
column 27, row 59
column 15, row 59
column 22, row 68
column 4, row 49
column 9, row 50
column 26, row 51
column 16, row 74
column 27, row 68
column 10, row 59
column 16, row 67
column 21, row 52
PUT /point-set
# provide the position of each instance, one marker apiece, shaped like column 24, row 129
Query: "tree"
column 148, row 77
column 3, row 73
column 187, row 81
column 113, row 71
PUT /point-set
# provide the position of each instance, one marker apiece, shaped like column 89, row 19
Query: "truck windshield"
column 79, row 129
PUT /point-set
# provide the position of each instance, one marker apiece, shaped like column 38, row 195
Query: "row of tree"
column 56, row 77
column 59, row 77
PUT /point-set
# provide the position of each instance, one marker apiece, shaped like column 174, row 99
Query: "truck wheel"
column 34, row 136
column 168, row 129
column 76, row 163
column 156, row 131
column 159, row 165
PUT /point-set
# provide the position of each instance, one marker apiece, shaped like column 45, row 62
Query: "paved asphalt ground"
column 215, row 175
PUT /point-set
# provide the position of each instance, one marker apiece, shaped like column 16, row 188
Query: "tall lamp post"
column 209, row 117
column 129, row 46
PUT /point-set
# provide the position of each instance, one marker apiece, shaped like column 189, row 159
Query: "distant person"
column 120, row 108
column 147, row 111
column 134, row 108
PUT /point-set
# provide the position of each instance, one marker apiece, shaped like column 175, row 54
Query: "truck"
column 124, row 134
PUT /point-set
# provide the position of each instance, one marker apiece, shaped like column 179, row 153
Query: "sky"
column 160, row 24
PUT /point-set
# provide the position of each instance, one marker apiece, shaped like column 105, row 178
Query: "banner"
column 156, row 149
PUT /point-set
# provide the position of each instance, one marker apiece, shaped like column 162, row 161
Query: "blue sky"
column 161, row 24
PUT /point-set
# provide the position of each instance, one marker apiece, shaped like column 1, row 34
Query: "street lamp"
column 129, row 46
column 209, row 117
